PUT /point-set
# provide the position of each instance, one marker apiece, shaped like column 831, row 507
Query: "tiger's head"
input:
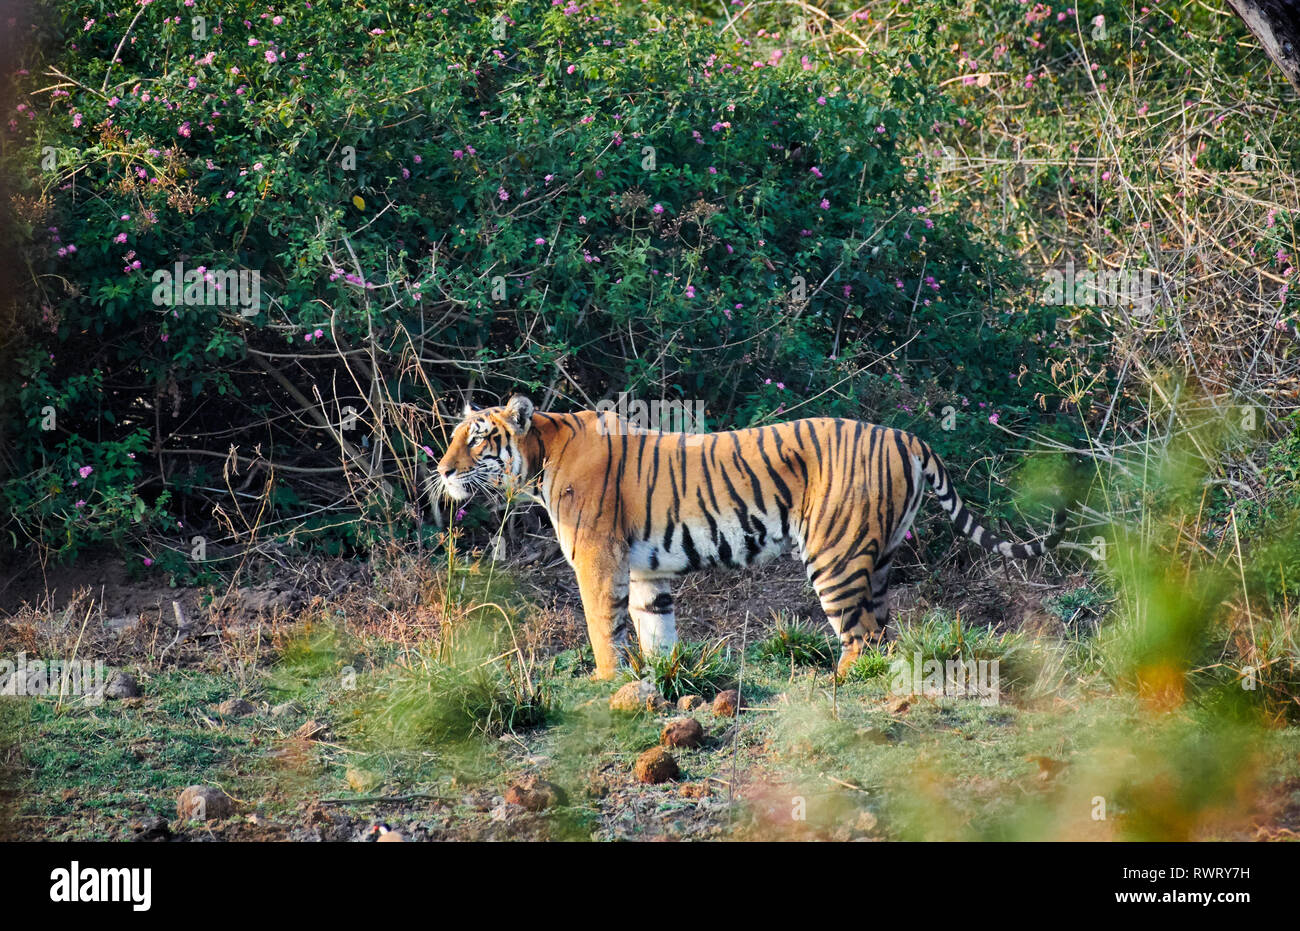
column 484, row 453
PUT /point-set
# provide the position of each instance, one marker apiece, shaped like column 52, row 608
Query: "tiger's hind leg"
column 846, row 597
column 880, row 595
column 650, row 602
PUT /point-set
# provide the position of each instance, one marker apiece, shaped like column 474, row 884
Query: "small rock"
column 284, row 708
column 695, row 789
column 536, row 794
column 682, row 732
column 390, row 837
column 154, row 827
column 727, row 703
column 690, row 703
column 360, row 780
column 899, row 704
column 500, row 813
column 636, row 696
column 122, row 685
column 865, row 824
column 204, row 803
column 656, row 765
column 235, row 708
column 313, row 730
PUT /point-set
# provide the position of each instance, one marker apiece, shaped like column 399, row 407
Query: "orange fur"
column 633, row 509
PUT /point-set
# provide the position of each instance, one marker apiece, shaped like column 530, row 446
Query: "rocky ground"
column 227, row 727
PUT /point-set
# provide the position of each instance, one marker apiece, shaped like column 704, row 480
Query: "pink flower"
column 147, row 561
column 993, row 418
column 85, row 471
column 81, row 503
column 658, row 208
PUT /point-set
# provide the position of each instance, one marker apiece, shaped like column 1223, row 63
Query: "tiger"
column 633, row 509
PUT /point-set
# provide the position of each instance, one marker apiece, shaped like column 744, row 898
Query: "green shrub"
column 872, row 664
column 702, row 669
column 1024, row 666
column 800, row 642
column 509, row 194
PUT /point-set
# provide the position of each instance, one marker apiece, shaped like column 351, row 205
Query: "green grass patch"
column 687, row 669
column 798, row 642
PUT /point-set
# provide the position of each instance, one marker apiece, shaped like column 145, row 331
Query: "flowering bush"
column 569, row 199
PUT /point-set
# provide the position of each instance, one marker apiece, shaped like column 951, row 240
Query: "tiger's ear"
column 469, row 409
column 519, row 414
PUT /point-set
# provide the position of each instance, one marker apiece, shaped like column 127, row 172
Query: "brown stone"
column 695, row 789
column 536, row 794
column 690, row 703
column 234, row 708
column 122, row 685
column 204, row 803
column 313, row 730
column 682, row 732
column 656, row 765
column 899, row 704
column 636, row 696
column 726, row 704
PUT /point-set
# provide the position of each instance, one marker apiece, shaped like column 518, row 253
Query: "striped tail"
column 968, row 524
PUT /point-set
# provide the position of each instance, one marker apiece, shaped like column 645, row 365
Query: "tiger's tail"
column 969, row 525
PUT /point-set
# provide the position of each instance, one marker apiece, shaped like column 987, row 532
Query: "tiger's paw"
column 848, row 656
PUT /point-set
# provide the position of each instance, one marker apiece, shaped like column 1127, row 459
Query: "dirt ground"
column 301, row 778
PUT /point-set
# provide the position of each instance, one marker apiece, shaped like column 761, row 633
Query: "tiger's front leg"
column 653, row 614
column 603, row 582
